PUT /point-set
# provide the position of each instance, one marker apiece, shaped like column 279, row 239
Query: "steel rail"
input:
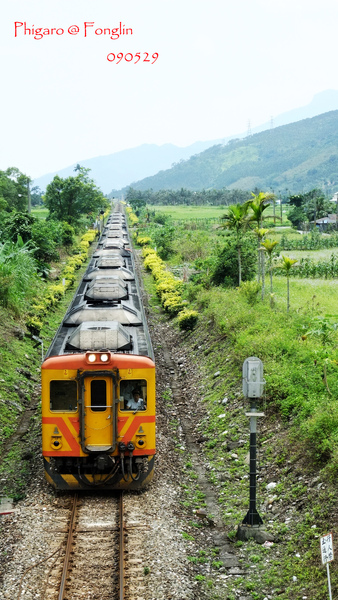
column 121, row 561
column 68, row 547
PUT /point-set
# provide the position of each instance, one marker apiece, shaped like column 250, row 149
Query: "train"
column 98, row 377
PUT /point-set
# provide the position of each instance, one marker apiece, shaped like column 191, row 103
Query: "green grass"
column 306, row 295
column 277, row 232
column 182, row 212
column 315, row 255
column 40, row 212
column 191, row 212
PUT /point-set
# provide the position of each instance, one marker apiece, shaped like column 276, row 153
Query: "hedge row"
column 131, row 216
column 56, row 291
column 169, row 289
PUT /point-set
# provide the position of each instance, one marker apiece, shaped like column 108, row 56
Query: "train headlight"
column 56, row 442
column 104, row 357
column 141, row 441
column 91, row 358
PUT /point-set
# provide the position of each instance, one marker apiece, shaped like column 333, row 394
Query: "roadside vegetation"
column 295, row 334
column 42, row 253
column 264, row 303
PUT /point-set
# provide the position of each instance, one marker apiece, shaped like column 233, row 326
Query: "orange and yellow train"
column 98, row 378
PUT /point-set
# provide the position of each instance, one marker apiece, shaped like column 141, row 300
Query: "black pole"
column 252, row 517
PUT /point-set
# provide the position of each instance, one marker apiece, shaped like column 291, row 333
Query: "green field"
column 182, row 212
column 315, row 255
column 40, row 212
column 306, row 294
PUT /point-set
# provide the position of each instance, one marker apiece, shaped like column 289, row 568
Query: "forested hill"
column 298, row 156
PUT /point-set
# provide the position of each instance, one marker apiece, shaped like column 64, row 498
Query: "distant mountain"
column 298, row 156
column 320, row 103
column 120, row 169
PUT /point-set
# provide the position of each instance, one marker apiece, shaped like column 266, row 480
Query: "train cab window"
column 133, row 394
column 98, row 395
column 63, row 395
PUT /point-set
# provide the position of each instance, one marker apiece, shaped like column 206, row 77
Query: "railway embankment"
column 296, row 493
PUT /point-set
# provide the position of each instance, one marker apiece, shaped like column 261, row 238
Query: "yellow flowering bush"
column 143, row 240
column 187, row 319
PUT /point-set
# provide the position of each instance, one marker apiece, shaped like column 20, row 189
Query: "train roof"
column 106, row 312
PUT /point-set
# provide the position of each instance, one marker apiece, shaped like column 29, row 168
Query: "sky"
column 221, row 64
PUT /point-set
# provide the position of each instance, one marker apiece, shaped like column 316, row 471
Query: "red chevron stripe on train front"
column 67, row 434
column 135, row 423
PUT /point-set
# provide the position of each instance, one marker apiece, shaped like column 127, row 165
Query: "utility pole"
column 29, row 198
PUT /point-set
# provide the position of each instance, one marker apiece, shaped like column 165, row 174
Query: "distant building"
column 335, row 197
column 324, row 223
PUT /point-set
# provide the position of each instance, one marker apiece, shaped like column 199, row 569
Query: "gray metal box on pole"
column 253, row 382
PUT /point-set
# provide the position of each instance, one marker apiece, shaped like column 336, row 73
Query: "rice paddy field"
column 181, row 212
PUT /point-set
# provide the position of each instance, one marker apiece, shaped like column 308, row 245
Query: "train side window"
column 133, row 394
column 63, row 395
column 98, row 395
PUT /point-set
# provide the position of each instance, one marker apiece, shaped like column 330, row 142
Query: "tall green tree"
column 260, row 233
column 13, row 190
column 236, row 220
column 268, row 246
column 73, row 198
column 287, row 265
column 257, row 205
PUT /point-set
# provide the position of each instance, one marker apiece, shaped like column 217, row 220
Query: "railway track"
column 94, row 560
column 91, row 563
column 96, row 552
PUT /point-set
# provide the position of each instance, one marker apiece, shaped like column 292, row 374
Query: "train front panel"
column 98, row 420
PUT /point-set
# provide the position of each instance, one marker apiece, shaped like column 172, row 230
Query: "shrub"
column 143, row 240
column 187, row 319
column 18, row 275
column 147, row 251
column 173, row 303
column 34, row 325
column 168, row 284
column 250, row 290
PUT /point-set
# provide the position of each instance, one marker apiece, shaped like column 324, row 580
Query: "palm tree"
column 260, row 233
column 258, row 204
column 269, row 247
column 286, row 266
column 236, row 220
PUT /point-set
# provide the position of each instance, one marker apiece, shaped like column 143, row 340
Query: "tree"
column 36, row 196
column 260, row 233
column 269, row 247
column 13, row 190
column 18, row 224
column 297, row 217
column 308, row 208
column 224, row 266
column 236, row 220
column 287, row 266
column 258, row 204
column 72, row 198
